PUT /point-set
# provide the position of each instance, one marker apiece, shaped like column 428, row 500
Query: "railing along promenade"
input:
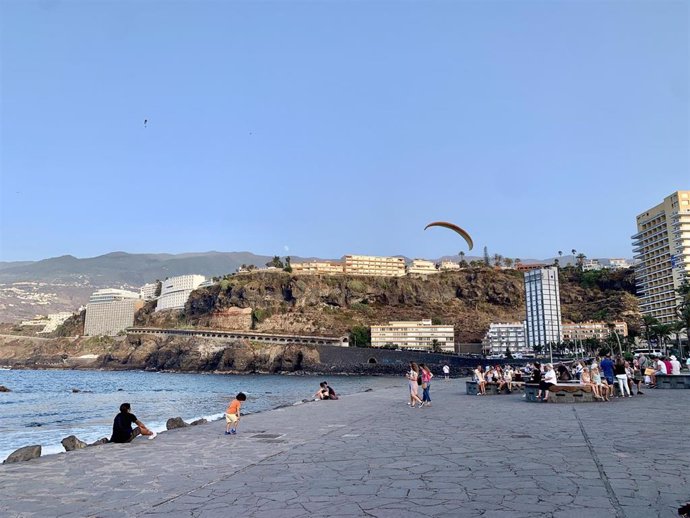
column 242, row 335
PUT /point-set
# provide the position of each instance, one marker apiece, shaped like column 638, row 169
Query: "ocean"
column 44, row 407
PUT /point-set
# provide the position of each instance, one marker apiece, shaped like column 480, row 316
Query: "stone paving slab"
column 370, row 454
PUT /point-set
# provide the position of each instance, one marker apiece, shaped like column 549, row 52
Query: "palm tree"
column 662, row 332
column 498, row 260
column 648, row 322
column 508, row 262
column 612, row 331
column 581, row 260
column 463, row 263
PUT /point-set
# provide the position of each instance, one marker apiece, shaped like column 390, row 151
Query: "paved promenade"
column 371, row 455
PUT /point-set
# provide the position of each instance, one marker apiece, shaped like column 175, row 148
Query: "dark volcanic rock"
column 175, row 422
column 198, row 422
column 71, row 443
column 103, row 440
column 3, row 388
column 25, row 453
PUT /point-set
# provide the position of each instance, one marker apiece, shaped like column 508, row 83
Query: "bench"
column 491, row 388
column 673, row 381
column 564, row 392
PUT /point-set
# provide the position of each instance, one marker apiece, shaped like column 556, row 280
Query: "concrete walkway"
column 371, row 455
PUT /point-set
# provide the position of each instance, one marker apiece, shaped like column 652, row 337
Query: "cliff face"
column 330, row 305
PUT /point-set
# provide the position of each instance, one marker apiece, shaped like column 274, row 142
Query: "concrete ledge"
column 673, row 381
column 570, row 393
column 492, row 388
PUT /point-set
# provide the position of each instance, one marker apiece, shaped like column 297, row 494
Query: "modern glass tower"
column 543, row 303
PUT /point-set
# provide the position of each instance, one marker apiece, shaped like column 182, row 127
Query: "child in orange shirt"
column 232, row 414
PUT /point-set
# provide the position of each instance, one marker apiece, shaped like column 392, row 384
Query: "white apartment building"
column 502, row 336
column 542, row 299
column 419, row 335
column 176, row 290
column 318, row 268
column 662, row 253
column 421, row 267
column 111, row 294
column 618, row 264
column 109, row 318
column 450, row 266
column 591, row 264
column 597, row 330
column 373, row 265
column 148, row 291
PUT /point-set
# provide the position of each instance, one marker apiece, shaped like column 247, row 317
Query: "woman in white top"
column 412, row 379
column 481, row 382
column 550, row 379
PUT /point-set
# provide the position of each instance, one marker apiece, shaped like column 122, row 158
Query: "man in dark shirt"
column 122, row 426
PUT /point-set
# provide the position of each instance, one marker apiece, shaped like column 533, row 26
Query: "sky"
column 321, row 128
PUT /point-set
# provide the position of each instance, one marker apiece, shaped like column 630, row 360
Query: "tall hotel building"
column 176, row 290
column 373, row 265
column 662, row 254
column 542, row 299
column 110, row 311
column 417, row 335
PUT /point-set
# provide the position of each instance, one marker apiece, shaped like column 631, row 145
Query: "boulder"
column 71, row 443
column 75, row 391
column 175, row 422
column 103, row 440
column 3, row 388
column 25, row 453
column 198, row 422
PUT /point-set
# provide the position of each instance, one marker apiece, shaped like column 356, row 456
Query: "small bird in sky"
column 146, row 121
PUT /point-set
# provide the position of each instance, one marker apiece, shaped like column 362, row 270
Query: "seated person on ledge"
column 122, row 426
column 325, row 392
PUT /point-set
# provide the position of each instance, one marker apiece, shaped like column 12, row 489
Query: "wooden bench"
column 564, row 392
column 673, row 381
column 491, row 388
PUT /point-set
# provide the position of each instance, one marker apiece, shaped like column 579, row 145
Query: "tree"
column 487, row 261
column 683, row 309
column 275, row 263
column 463, row 263
column 508, row 262
column 288, row 266
column 580, row 260
column 662, row 332
column 649, row 322
column 435, row 346
column 360, row 336
column 498, row 260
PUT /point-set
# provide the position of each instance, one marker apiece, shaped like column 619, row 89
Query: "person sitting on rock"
column 331, row 393
column 322, row 393
column 122, row 426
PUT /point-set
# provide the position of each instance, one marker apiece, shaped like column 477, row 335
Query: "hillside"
column 332, row 305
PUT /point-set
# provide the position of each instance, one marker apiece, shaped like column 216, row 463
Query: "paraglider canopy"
column 454, row 228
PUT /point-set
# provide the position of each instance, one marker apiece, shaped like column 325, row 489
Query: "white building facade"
column 418, row 335
column 110, row 318
column 148, row 291
column 421, row 267
column 502, row 336
column 374, row 265
column 543, row 304
column 176, row 290
column 662, row 255
column 111, row 294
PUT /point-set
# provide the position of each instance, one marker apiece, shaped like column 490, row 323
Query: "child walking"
column 232, row 414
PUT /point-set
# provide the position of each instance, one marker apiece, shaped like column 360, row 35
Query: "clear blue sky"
column 338, row 127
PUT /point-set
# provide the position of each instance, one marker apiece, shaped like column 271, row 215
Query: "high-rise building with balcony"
column 374, row 265
column 418, row 335
column 542, row 299
column 662, row 253
column 176, row 290
column 502, row 336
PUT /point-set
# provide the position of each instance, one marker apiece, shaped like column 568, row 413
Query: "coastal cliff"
column 332, row 305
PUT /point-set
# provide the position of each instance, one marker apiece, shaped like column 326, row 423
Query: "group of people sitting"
column 325, row 392
column 504, row 377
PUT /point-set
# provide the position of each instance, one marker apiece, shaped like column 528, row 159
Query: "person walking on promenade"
column 232, row 414
column 122, row 426
column 426, row 375
column 622, row 377
column 412, row 377
column 446, row 372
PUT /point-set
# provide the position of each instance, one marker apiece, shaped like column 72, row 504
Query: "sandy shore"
column 369, row 454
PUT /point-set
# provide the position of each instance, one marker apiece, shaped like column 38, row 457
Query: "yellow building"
column 421, row 267
column 597, row 330
column 318, row 268
column 662, row 252
column 419, row 335
column 372, row 265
